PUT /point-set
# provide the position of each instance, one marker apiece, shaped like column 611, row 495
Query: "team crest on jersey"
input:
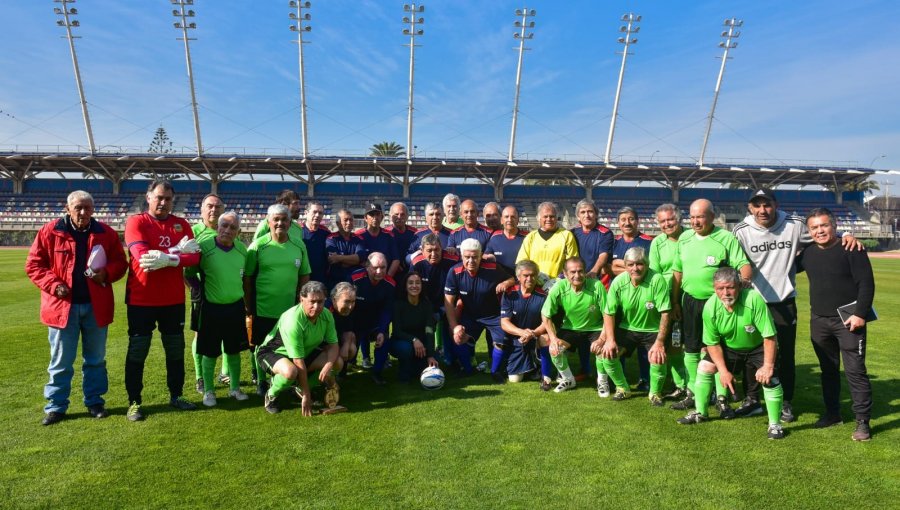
column 592, row 309
column 242, row 272
column 176, row 227
column 298, row 263
column 649, row 305
column 749, row 328
column 711, row 261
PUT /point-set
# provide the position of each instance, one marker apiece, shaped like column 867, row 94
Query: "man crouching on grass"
column 303, row 340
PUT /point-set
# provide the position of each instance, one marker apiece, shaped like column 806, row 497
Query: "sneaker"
column 749, row 407
column 581, row 377
column 53, row 417
column 387, row 363
column 377, row 379
column 686, row 404
column 564, row 384
column 209, row 399
column 200, row 387
column 224, row 379
column 238, row 395
column 98, row 411
column 270, row 404
column 182, row 404
column 725, row 410
column 367, row 363
column 603, row 386
column 862, row 432
column 621, row 394
column 692, row 418
column 134, row 412
column 787, row 413
column 545, row 384
column 828, row 420
column 677, row 394
column 482, row 367
column 775, row 431
column 498, row 377
column 642, row 385
column 261, row 388
column 655, row 400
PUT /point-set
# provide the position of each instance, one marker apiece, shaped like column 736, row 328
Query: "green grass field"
column 469, row 445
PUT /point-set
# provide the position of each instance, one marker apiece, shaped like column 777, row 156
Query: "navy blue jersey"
column 374, row 302
column 315, row 249
column 433, row 276
column 480, row 232
column 592, row 243
column 336, row 243
column 505, row 249
column 478, row 292
column 443, row 234
column 523, row 312
column 621, row 245
column 382, row 242
column 402, row 240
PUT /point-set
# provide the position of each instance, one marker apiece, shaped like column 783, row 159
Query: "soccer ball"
column 432, row 378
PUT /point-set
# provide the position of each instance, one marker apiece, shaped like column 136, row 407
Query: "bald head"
column 468, row 209
column 702, row 215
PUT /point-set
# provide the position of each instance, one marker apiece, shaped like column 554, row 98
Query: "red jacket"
column 51, row 261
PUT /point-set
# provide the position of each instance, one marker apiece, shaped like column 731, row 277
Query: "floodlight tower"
column 298, row 18
column 67, row 22
column 412, row 20
column 631, row 20
column 183, row 25
column 523, row 25
column 727, row 44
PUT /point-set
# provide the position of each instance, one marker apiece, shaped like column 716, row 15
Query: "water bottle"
column 676, row 335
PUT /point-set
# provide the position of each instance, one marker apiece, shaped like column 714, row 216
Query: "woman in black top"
column 412, row 332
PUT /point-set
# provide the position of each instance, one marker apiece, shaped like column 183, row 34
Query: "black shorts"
column 262, row 326
column 746, row 362
column 142, row 320
column 222, row 326
column 578, row 339
column 692, row 323
column 267, row 357
column 629, row 341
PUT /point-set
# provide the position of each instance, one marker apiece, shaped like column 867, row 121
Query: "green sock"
column 721, row 391
column 676, row 368
column 702, row 388
column 657, row 378
column 198, row 361
column 224, row 371
column 561, row 362
column 279, row 384
column 614, row 370
column 209, row 370
column 598, row 361
column 774, row 398
column 691, row 360
column 254, row 362
column 232, row 365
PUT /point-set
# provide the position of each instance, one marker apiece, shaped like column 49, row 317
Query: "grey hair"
column 401, row 204
column 237, row 217
column 727, row 274
column 342, row 288
column 450, row 196
column 671, row 208
column 313, row 287
column 526, row 264
column 494, row 204
column 373, row 255
column 635, row 254
column 79, row 195
column 585, row 202
column 627, row 210
column 546, row 205
column 276, row 209
column 470, row 244
column 430, row 239
column 433, row 206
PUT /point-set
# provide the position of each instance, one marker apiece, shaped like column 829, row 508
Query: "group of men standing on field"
column 701, row 304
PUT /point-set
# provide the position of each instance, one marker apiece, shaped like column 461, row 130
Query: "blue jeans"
column 63, row 349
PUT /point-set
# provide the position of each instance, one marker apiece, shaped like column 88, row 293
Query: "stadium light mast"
column 727, row 44
column 298, row 18
column 631, row 20
column 66, row 22
column 523, row 25
column 183, row 25
column 412, row 20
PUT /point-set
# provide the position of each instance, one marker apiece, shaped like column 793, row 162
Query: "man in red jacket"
column 74, row 261
column 161, row 245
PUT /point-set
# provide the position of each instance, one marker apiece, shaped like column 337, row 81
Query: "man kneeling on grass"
column 740, row 320
column 303, row 340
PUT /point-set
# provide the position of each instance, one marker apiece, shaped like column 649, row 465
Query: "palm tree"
column 867, row 186
column 387, row 149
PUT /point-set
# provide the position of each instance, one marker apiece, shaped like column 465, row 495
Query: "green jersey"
column 222, row 270
column 201, row 232
column 742, row 329
column 662, row 256
column 295, row 336
column 641, row 306
column 277, row 268
column 698, row 258
column 582, row 311
column 294, row 231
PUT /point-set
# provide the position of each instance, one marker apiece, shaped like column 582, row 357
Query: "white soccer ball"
column 432, row 378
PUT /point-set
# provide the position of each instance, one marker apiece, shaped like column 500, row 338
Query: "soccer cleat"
column 642, row 385
column 53, row 417
column 238, row 395
column 677, row 394
column 862, row 432
column 387, row 363
column 828, row 420
column 261, row 388
column 564, row 384
column 685, row 404
column 182, row 404
column 749, row 407
column 621, row 394
column 270, row 404
column 655, row 400
column 200, row 386
column 692, row 418
column 545, row 384
column 498, row 377
column 603, row 386
column 581, row 377
column 98, row 411
column 224, row 379
column 787, row 413
column 209, row 399
column 367, row 363
column 134, row 412
column 725, row 410
column 775, row 431
column 482, row 367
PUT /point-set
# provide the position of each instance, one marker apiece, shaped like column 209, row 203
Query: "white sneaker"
column 367, row 364
column 209, row 399
column 238, row 395
column 602, row 385
column 564, row 384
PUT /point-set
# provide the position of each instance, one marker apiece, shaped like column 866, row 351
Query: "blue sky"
column 808, row 81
